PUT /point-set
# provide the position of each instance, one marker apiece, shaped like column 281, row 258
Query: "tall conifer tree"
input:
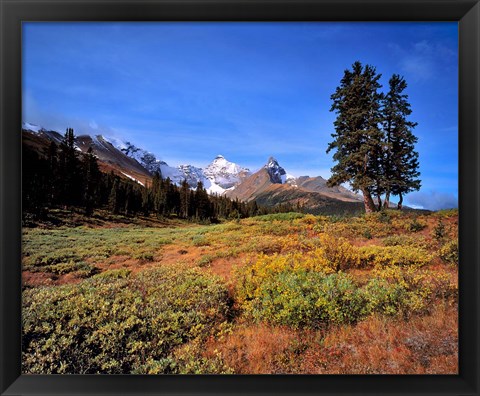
column 357, row 137
column 70, row 170
column 92, row 177
column 401, row 159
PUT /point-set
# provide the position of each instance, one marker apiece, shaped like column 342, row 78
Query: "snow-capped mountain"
column 224, row 173
column 271, row 185
column 143, row 157
column 41, row 131
column 191, row 174
column 217, row 177
column 31, row 127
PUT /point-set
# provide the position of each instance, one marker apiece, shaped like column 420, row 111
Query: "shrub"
column 144, row 256
column 367, row 234
column 108, row 325
column 187, row 359
column 331, row 256
column 384, row 216
column 121, row 273
column 405, row 240
column 415, row 225
column 200, row 240
column 446, row 213
column 280, row 216
column 383, row 297
column 81, row 268
column 439, row 232
column 205, row 260
column 393, row 255
column 338, row 252
column 418, row 287
column 369, row 226
column 449, row 252
column 300, row 298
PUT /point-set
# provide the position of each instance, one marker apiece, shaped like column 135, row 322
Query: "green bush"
column 306, row 299
column 439, row 231
column 383, row 297
column 199, row 240
column 121, row 273
column 81, row 268
column 205, row 260
column 145, row 256
column 117, row 325
column 281, row 291
column 415, row 225
column 280, row 216
column 449, row 252
column 189, row 359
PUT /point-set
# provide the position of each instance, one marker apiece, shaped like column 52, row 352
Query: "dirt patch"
column 35, row 279
column 224, row 267
column 174, row 253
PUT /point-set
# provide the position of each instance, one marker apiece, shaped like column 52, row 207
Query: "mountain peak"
column 32, row 127
column 272, row 162
column 276, row 172
column 224, row 173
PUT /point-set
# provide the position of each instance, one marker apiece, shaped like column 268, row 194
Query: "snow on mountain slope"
column 225, row 174
column 112, row 157
column 31, row 127
column 143, row 157
column 132, row 178
column 41, row 131
column 219, row 176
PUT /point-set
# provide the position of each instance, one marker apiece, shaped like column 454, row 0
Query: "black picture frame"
column 13, row 12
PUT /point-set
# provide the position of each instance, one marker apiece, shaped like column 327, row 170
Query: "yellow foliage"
column 393, row 256
column 338, row 252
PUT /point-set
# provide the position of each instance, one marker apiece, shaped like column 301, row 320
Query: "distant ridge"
column 271, row 185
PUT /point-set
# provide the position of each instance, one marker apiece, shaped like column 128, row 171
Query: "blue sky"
column 190, row 91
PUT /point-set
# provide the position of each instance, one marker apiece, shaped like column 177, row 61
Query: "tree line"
column 62, row 176
column 373, row 140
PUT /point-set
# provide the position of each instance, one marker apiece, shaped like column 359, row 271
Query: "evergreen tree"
column 114, row 198
column 202, row 203
column 157, row 194
column 401, row 159
column 146, row 201
column 357, row 137
column 52, row 169
column 92, row 178
column 185, row 203
column 70, row 170
column 129, row 199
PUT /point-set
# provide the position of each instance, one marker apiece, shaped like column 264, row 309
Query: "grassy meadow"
column 282, row 293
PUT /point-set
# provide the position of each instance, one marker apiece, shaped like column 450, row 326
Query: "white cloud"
column 432, row 200
column 423, row 59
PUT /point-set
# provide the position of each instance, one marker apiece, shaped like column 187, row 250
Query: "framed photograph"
column 239, row 197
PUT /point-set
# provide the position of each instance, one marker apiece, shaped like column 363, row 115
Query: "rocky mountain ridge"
column 270, row 185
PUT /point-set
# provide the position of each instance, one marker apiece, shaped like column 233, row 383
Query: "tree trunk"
column 400, row 202
column 386, row 203
column 368, row 201
column 379, row 201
